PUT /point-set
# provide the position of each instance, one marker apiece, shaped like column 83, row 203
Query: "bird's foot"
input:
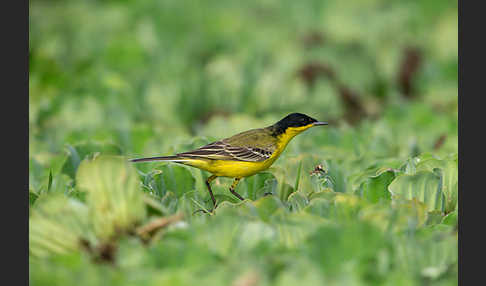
column 267, row 194
column 204, row 211
column 210, row 211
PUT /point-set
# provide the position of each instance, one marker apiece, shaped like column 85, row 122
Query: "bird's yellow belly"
column 237, row 168
column 233, row 169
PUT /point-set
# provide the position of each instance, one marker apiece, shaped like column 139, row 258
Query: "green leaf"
column 447, row 169
column 49, row 184
column 375, row 188
column 115, row 198
column 172, row 178
column 169, row 200
column 408, row 214
column 297, row 180
column 434, row 217
column 346, row 206
column 410, row 167
column 32, row 197
column 423, row 185
column 154, row 206
column 450, row 185
column 297, row 201
column 320, row 207
column 268, row 205
column 57, row 225
column 256, row 186
column 450, row 219
column 336, row 177
column 327, row 194
column 35, row 175
column 78, row 152
column 285, row 190
column 332, row 246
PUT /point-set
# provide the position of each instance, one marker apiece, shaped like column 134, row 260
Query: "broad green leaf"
column 284, row 190
column 320, row 207
column 256, row 186
column 61, row 183
column 293, row 230
column 224, row 234
column 155, row 206
column 297, row 201
column 450, row 219
column 410, row 166
column 447, row 169
column 303, row 273
column 346, row 206
column 245, row 209
column 115, row 198
column 375, row 188
column 423, row 185
column 450, row 185
column 336, row 177
column 57, row 225
column 78, row 152
column 32, row 197
column 431, row 254
column 327, row 194
column 294, row 171
column 380, row 215
column 408, row 214
column 434, row 217
column 36, row 174
column 267, row 205
column 43, row 176
column 228, row 197
column 331, row 246
column 169, row 201
column 255, row 233
column 172, row 178
column 373, row 170
column 190, row 202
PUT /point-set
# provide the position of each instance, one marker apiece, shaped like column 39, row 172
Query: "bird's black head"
column 296, row 122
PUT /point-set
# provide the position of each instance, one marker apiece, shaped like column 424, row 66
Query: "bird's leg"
column 208, row 184
column 232, row 189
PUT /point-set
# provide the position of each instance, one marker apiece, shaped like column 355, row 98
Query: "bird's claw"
column 210, row 212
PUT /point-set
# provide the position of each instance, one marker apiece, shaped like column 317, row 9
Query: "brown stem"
column 158, row 224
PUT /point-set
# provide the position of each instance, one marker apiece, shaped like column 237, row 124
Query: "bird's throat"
column 285, row 137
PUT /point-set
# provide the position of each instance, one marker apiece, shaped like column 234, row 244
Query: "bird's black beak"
column 317, row 123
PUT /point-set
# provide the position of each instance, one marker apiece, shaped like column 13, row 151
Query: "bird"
column 243, row 154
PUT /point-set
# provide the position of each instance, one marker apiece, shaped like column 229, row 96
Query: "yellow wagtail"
column 243, row 154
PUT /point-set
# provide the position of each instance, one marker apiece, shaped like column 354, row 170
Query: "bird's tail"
column 162, row 158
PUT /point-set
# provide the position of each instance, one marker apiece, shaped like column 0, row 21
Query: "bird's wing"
column 220, row 150
column 248, row 146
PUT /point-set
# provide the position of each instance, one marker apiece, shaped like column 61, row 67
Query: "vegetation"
column 370, row 199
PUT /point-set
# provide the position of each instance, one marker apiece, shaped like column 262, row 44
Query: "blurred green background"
column 148, row 78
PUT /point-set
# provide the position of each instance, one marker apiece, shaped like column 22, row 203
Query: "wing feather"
column 221, row 150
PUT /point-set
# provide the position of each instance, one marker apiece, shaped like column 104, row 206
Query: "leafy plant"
column 371, row 199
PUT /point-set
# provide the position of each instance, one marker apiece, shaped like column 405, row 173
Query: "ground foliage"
column 370, row 199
